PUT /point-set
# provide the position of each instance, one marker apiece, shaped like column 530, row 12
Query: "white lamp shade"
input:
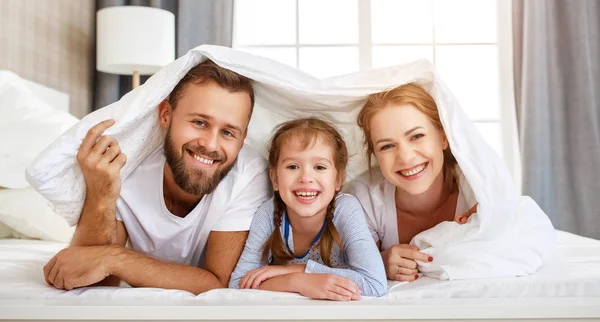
column 133, row 38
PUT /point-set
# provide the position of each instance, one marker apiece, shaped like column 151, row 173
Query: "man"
column 185, row 210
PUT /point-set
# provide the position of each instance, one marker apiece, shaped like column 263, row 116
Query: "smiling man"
column 185, row 210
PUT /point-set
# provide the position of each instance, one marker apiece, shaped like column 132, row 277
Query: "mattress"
column 568, row 286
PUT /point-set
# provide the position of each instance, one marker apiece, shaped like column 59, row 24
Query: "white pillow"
column 29, row 215
column 27, row 126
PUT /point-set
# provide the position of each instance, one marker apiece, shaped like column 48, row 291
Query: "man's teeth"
column 412, row 172
column 203, row 160
column 306, row 195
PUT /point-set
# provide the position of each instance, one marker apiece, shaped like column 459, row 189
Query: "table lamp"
column 134, row 40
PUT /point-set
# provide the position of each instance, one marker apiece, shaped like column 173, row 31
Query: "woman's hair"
column 416, row 96
column 305, row 131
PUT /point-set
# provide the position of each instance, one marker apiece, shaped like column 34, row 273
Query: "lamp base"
column 135, row 79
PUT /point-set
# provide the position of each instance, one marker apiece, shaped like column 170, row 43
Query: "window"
column 463, row 38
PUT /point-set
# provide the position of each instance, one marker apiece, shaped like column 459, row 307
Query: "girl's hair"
column 305, row 131
column 416, row 96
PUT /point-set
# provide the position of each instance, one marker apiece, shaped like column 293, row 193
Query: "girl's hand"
column 400, row 262
column 253, row 278
column 326, row 287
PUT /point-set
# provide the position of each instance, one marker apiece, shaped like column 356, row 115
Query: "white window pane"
column 492, row 134
column 328, row 21
column 465, row 21
column 471, row 72
column 282, row 55
column 396, row 55
column 265, row 22
column 401, row 21
column 325, row 62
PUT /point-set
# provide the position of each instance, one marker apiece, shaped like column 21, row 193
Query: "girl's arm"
column 251, row 258
column 365, row 266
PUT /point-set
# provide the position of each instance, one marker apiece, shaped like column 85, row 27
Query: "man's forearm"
column 141, row 271
column 97, row 225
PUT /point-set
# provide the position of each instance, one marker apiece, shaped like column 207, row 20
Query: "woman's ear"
column 445, row 143
column 164, row 113
column 273, row 176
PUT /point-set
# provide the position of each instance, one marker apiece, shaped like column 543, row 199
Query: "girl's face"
column 409, row 148
column 307, row 180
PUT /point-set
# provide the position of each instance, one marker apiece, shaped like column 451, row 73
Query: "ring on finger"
column 398, row 269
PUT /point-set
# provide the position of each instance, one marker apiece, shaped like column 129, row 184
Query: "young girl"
column 308, row 238
column 416, row 184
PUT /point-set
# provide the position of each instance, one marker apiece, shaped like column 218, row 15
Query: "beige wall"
column 51, row 43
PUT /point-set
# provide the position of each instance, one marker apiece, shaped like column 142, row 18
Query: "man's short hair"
column 208, row 71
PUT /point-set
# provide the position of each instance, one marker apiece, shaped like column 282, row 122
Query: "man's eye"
column 227, row 133
column 199, row 123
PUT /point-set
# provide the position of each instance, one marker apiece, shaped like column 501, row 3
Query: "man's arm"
column 222, row 253
column 101, row 160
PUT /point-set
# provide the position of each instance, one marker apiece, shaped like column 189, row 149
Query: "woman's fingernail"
column 416, row 276
column 430, row 259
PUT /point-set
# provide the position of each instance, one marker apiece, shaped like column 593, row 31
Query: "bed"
column 566, row 289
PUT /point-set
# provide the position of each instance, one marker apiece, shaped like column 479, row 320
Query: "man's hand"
column 400, row 262
column 77, row 267
column 101, row 160
column 253, row 278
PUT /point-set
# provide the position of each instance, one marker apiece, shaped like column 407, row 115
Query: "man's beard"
column 193, row 180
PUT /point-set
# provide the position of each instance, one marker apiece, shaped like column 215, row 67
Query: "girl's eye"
column 385, row 147
column 292, row 167
column 417, row 136
column 320, row 167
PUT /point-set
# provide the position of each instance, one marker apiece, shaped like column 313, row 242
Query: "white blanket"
column 507, row 237
column 573, row 272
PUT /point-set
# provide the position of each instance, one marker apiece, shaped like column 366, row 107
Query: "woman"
column 418, row 184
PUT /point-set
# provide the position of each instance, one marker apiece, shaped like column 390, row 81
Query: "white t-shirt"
column 156, row 232
column 378, row 198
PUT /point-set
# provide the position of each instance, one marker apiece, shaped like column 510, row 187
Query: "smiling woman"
column 418, row 185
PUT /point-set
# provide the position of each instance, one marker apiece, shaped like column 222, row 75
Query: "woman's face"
column 408, row 147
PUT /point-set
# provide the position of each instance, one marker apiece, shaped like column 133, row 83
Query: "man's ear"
column 164, row 113
column 273, row 176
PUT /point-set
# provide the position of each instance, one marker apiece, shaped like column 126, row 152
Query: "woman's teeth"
column 306, row 195
column 413, row 171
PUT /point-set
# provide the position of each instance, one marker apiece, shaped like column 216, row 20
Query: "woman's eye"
column 385, row 147
column 292, row 167
column 417, row 136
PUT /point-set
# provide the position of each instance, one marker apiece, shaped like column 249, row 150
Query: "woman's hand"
column 400, row 262
column 326, row 287
column 253, row 278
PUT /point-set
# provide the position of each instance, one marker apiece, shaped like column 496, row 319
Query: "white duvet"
column 509, row 236
column 573, row 272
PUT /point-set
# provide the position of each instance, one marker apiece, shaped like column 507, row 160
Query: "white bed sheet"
column 573, row 272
